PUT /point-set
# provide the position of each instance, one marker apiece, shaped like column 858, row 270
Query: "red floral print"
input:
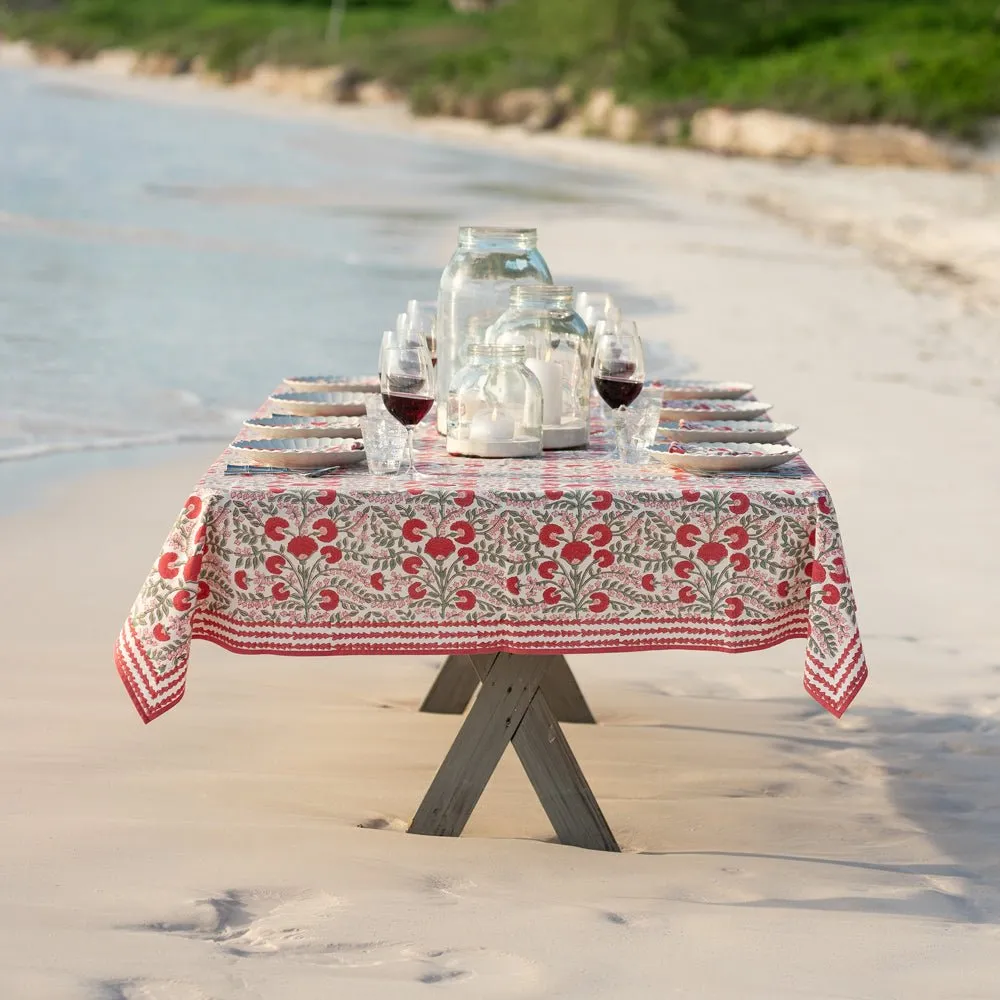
column 684, row 569
column 739, row 503
column 738, row 536
column 182, row 600
column 600, row 534
column 549, row 535
column 712, row 552
column 464, row 532
column 192, row 507
column 274, row 528
column 548, row 569
column 551, row 595
column 330, row 599
column 575, row 552
column 413, row 529
column 734, row 607
column 275, row 565
column 413, row 565
column 302, row 547
column 468, row 556
column 686, row 534
column 331, row 554
column 378, row 581
column 687, row 594
column 648, row 582
column 167, row 565
column 599, row 602
column 280, row 591
column 326, row 529
column 739, row 562
column 416, row 590
column 466, row 600
column 513, row 585
column 240, row 579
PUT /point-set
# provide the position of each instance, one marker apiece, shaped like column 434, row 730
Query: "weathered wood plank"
column 563, row 693
column 558, row 781
column 453, row 687
column 456, row 683
column 509, row 683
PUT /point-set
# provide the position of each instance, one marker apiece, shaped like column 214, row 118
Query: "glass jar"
column 495, row 405
column 475, row 290
column 541, row 318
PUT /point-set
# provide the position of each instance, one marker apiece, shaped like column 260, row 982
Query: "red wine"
column 617, row 392
column 408, row 410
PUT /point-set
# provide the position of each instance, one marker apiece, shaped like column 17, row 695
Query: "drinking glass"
column 406, row 381
column 641, row 423
column 384, row 439
column 619, row 371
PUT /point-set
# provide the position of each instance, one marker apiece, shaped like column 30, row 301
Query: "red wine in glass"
column 617, row 392
column 407, row 409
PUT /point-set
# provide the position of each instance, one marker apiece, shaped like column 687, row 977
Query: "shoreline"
column 938, row 231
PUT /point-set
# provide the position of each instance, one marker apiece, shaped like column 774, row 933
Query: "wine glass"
column 619, row 371
column 422, row 319
column 406, row 381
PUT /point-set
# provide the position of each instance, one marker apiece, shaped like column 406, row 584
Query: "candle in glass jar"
column 491, row 425
column 549, row 373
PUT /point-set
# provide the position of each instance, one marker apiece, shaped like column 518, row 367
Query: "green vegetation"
column 930, row 63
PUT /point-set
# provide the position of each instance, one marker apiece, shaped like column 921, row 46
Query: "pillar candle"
column 549, row 373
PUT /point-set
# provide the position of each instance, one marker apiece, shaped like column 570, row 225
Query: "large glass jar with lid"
column 495, row 405
column 542, row 319
column 475, row 290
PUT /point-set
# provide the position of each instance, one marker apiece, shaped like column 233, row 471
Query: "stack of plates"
column 319, row 404
column 300, row 453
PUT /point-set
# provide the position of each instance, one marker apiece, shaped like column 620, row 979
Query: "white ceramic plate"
column 713, row 409
column 319, row 404
column 761, row 431
column 690, row 388
column 300, row 453
column 287, row 425
column 706, row 459
column 332, row 383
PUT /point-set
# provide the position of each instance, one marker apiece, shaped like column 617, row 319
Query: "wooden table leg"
column 512, row 707
column 457, row 681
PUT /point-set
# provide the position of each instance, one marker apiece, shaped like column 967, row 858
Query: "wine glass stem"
column 619, row 418
column 409, row 450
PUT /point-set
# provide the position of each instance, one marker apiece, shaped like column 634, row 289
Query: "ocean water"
column 163, row 266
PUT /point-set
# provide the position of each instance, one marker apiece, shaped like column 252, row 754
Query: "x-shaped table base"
column 512, row 707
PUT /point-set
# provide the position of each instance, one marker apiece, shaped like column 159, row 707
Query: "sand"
column 250, row 845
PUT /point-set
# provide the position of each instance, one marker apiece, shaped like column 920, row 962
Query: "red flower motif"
column 831, row 594
column 469, row 556
column 734, row 607
column 182, row 600
column 192, row 568
column 331, row 554
column 276, row 490
column 326, row 528
column 464, row 532
column 712, row 553
column 547, row 570
column 203, row 589
column 161, row 634
column 274, row 528
column 549, row 535
column 815, row 572
column 330, row 599
column 839, row 575
column 554, row 494
column 280, row 591
column 737, row 536
column 412, row 564
column 600, row 534
column 691, row 495
column 687, row 595
column 378, row 581
column 302, row 547
column 575, row 552
column 275, row 565
column 326, row 497
column 649, row 582
column 783, row 588
column 414, row 491
column 199, row 535
column 812, row 537
column 412, row 529
column 604, row 558
column 416, row 590
column 465, row 498
column 466, row 600
column 166, row 566
column 824, row 504
column 739, row 503
column 602, row 499
column 439, row 547
column 192, row 507
column 686, row 534
column 684, row 569
column 551, row 595
column 513, row 585
column 739, row 562
column 240, row 579
column 599, row 602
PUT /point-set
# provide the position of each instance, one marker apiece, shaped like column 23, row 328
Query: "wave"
column 43, row 449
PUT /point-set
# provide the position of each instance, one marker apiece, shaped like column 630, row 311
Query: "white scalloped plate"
column 300, row 453
column 332, row 383
column 287, row 425
column 319, row 404
column 692, row 388
column 706, row 459
column 713, row 409
column 760, row 431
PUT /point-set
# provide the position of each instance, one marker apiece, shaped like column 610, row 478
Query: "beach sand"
column 249, row 844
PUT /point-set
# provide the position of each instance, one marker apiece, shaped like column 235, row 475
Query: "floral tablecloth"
column 568, row 553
